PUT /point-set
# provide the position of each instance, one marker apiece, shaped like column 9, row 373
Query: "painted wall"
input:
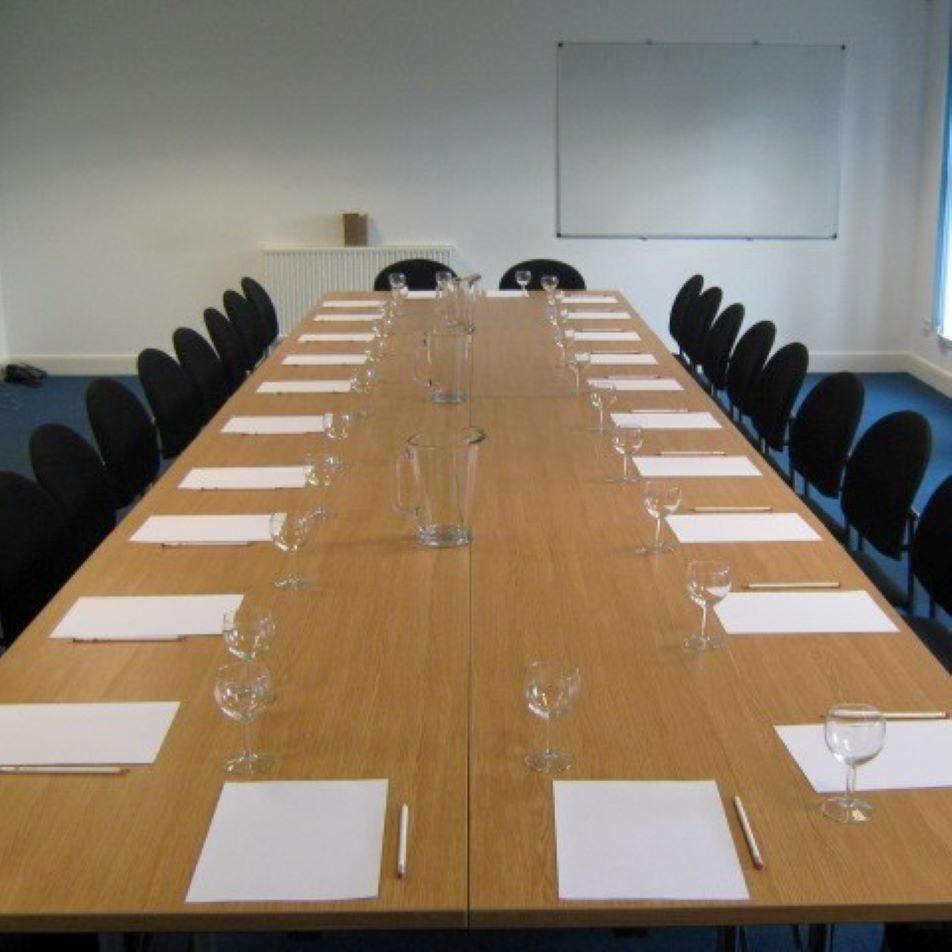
column 150, row 150
column 4, row 351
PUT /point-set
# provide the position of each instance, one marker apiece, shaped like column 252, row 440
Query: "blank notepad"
column 371, row 302
column 742, row 527
column 608, row 359
column 144, row 617
column 305, row 386
column 667, row 421
column 60, row 734
column 659, row 467
column 802, row 613
column 346, row 318
column 204, row 530
column 244, row 477
column 322, row 360
column 363, row 337
column 606, row 336
column 597, row 316
column 644, row 840
column 302, row 841
column 274, row 425
column 589, row 299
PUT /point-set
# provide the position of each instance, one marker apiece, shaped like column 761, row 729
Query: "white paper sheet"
column 302, row 841
column 204, row 529
column 60, row 734
column 667, row 421
column 305, row 386
column 597, row 315
column 608, row 359
column 322, row 360
column 632, row 385
column 244, row 477
column 346, row 318
column 361, row 337
column 644, row 840
column 274, row 424
column 421, row 295
column 370, row 302
column 659, row 467
column 794, row 613
column 631, row 360
column 916, row 754
column 491, row 293
column 605, row 336
column 742, row 527
column 144, row 617
column 581, row 298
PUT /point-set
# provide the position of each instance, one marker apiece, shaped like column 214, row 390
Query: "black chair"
column 718, row 346
column 235, row 359
column 683, row 301
column 775, row 393
column 696, row 325
column 126, row 439
column 420, row 272
column 570, row 279
column 37, row 552
column 260, row 298
column 746, row 363
column 880, row 483
column 175, row 403
column 70, row 470
column 250, row 326
column 822, row 433
column 932, row 566
column 203, row 368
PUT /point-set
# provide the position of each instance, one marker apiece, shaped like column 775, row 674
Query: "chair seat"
column 836, row 528
column 936, row 637
column 918, row 937
column 893, row 592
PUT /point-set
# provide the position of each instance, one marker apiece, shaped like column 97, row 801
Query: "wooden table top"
column 407, row 663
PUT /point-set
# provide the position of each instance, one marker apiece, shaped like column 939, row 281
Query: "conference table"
column 406, row 663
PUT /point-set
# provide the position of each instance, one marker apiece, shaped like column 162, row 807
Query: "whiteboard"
column 699, row 140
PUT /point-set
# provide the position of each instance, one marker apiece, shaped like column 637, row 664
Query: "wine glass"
column 248, row 632
column 579, row 360
column 602, row 398
column 626, row 441
column 660, row 499
column 289, row 532
column 854, row 734
column 244, row 690
column 337, row 427
column 522, row 279
column 550, row 688
column 444, row 281
column 548, row 283
column 319, row 471
column 707, row 583
column 564, row 339
column 398, row 289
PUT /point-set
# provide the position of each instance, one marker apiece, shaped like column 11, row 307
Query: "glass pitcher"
column 444, row 363
column 434, row 477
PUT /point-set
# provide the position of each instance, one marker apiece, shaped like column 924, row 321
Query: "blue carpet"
column 61, row 399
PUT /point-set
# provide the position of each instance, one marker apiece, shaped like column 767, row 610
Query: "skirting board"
column 822, row 362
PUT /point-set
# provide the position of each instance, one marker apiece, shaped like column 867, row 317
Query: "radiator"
column 297, row 278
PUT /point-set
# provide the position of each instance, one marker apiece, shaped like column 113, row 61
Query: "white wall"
column 149, row 151
column 3, row 328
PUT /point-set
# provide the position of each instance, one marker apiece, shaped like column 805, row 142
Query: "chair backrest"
column 203, row 368
column 697, row 323
column 420, row 272
column 747, row 361
column 37, row 552
column 175, row 403
column 249, row 324
column 689, row 293
column 234, row 357
column 776, row 392
column 931, row 562
column 126, row 438
column 260, row 298
column 70, row 470
column 570, row 279
column 822, row 432
column 719, row 343
column 883, row 476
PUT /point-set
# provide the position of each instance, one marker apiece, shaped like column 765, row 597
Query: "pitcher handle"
column 400, row 463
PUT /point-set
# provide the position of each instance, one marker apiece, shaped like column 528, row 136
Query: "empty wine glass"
column 626, row 441
column 244, row 690
column 337, row 427
column 398, row 290
column 248, row 632
column 289, row 532
column 550, row 689
column 444, row 281
column 522, row 279
column 548, row 283
column 579, row 360
column 564, row 339
column 660, row 499
column 319, row 470
column 854, row 734
column 602, row 398
column 707, row 583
